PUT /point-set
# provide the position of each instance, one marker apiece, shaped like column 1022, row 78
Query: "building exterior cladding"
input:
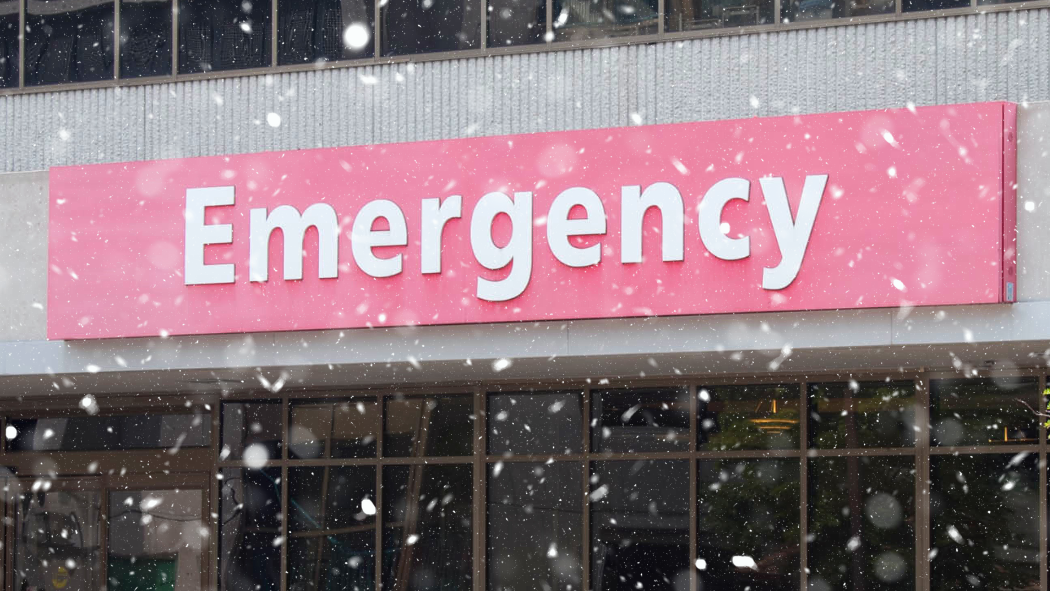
column 923, row 352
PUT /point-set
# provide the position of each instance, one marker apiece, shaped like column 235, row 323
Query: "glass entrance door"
column 57, row 535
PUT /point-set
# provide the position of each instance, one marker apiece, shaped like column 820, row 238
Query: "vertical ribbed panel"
column 1003, row 55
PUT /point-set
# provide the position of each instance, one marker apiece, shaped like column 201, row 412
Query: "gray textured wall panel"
column 1003, row 55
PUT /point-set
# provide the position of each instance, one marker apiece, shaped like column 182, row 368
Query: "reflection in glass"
column 145, row 38
column 331, row 543
column 324, row 30
column 101, row 433
column 983, row 412
column 865, row 414
column 644, row 420
column 806, row 10
column 427, row 26
column 578, row 20
column 427, row 518
column 692, row 15
column 217, row 35
column 527, row 423
column 155, row 540
column 748, row 417
column 338, row 429
column 68, row 41
column 916, row 5
column 640, row 525
column 748, row 534
column 9, row 61
column 984, row 522
column 251, row 425
column 430, row 426
column 249, row 542
column 862, row 523
column 535, row 516
column 516, row 22
column 57, row 535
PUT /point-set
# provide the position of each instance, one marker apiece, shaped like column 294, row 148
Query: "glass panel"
column 324, row 30
column 427, row 26
column 640, row 420
column 917, row 5
column 250, row 544
column 983, row 412
column 68, row 41
column 578, row 20
column 865, row 414
column 527, row 423
column 748, row 534
column 692, row 15
column 223, row 35
column 145, row 38
column 748, row 417
column 8, row 43
column 432, row 426
column 862, row 523
column 535, row 521
column 332, row 535
column 57, row 540
column 807, row 10
column 516, row 22
column 95, row 433
column 155, row 540
column 251, row 425
column 427, row 537
column 341, row 429
column 640, row 525
column 984, row 522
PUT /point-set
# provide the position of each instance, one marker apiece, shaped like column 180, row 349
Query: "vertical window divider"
column 285, row 505
column 214, row 488
column 376, row 30
column 480, row 490
column 116, row 39
column 273, row 33
column 694, row 582
column 550, row 22
column 585, row 555
column 922, row 483
column 174, row 38
column 803, row 484
column 1042, row 486
column 661, row 7
column 381, row 403
column 22, row 43
column 485, row 24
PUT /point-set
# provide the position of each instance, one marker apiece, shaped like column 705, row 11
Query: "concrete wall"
column 1003, row 55
column 23, row 256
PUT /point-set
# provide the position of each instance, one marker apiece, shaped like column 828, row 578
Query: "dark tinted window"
column 68, row 41
column 535, row 522
column 984, row 522
column 248, row 424
column 748, row 531
column 864, row 414
column 223, row 35
column 331, row 538
column 9, row 61
column 95, row 433
column 427, row 514
column 431, row 426
column 324, row 30
column 339, row 429
column 916, row 5
column 250, row 537
column 983, row 412
column 862, row 523
column 516, row 22
column 748, row 417
column 578, row 20
column 640, row 525
column 644, row 420
column 527, row 423
column 807, row 10
column 427, row 26
column 145, row 38
column 692, row 15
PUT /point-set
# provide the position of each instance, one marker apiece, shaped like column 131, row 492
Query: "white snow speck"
column 955, row 535
column 501, row 364
column 744, row 562
column 273, row 119
column 356, row 36
column 256, row 456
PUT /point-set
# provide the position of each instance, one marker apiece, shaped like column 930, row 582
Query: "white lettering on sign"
column 792, row 232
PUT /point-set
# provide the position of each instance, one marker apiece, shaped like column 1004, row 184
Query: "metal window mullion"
column 174, row 38
column 585, row 550
column 803, row 483
column 694, row 410
column 214, row 488
column 285, row 505
column 550, row 22
column 116, row 39
column 485, row 24
column 922, row 485
column 381, row 401
column 377, row 30
column 273, row 33
column 661, row 7
column 1042, row 486
column 480, row 490
column 22, row 43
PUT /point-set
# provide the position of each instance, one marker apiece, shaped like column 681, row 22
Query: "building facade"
column 257, row 442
